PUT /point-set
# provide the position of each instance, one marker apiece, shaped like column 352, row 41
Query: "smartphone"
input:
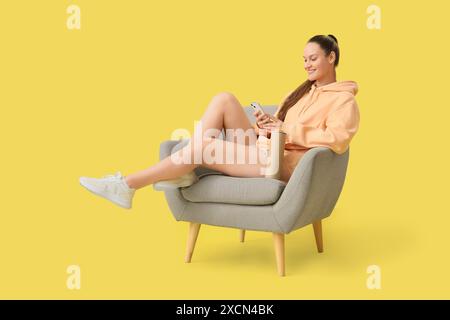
column 257, row 107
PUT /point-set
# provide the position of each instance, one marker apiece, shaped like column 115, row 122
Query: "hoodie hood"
column 339, row 86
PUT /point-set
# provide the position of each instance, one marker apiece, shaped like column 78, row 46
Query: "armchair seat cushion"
column 220, row 188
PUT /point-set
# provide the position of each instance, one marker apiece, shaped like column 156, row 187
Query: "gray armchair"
column 260, row 204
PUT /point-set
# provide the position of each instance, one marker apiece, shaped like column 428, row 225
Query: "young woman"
column 320, row 112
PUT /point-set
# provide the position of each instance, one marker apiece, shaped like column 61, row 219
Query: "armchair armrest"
column 313, row 189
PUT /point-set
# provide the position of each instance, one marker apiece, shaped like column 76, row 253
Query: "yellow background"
column 101, row 99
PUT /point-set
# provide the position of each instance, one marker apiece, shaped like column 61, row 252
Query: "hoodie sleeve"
column 341, row 125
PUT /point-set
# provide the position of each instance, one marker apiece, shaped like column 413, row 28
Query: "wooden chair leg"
column 242, row 235
column 317, row 225
column 194, row 228
column 278, row 241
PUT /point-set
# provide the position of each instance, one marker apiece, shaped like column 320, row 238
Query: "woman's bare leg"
column 238, row 160
column 226, row 112
column 223, row 112
column 235, row 159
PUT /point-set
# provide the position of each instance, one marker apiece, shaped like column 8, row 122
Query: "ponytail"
column 293, row 98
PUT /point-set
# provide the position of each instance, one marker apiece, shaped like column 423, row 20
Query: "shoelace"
column 112, row 177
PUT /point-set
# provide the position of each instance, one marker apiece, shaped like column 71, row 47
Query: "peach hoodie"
column 326, row 116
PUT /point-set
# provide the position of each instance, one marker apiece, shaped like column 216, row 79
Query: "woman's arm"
column 341, row 125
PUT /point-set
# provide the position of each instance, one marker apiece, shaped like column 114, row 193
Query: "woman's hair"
column 327, row 43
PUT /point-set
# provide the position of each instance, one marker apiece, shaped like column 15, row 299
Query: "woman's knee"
column 225, row 97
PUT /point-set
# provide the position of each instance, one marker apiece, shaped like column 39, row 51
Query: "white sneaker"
column 111, row 187
column 184, row 181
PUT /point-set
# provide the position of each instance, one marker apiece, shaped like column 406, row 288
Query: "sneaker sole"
column 105, row 197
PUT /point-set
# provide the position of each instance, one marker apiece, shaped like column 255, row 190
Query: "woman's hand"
column 274, row 124
column 261, row 119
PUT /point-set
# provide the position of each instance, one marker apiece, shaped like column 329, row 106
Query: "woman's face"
column 317, row 64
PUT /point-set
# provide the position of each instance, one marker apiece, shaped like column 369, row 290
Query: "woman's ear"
column 332, row 57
